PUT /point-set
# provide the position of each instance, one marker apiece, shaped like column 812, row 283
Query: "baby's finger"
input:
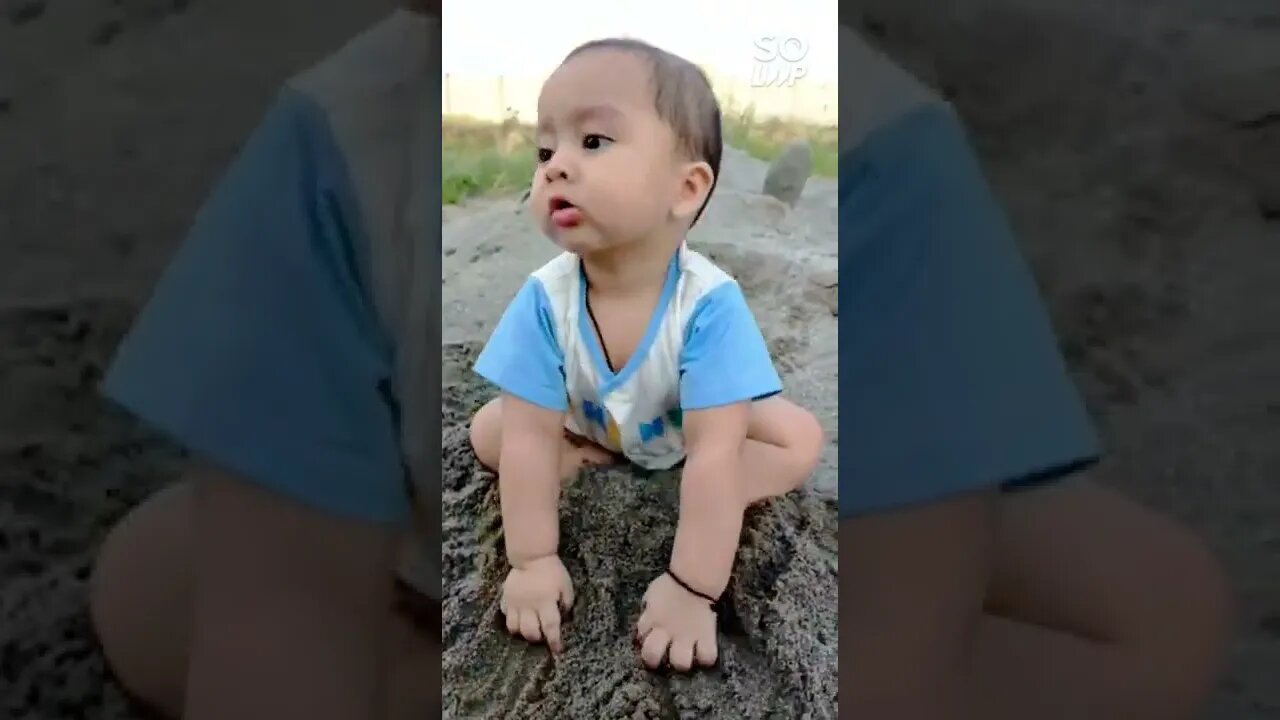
column 566, row 594
column 549, row 619
column 681, row 656
column 706, row 652
column 648, row 593
column 529, row 626
column 513, row 620
column 644, row 625
column 654, row 650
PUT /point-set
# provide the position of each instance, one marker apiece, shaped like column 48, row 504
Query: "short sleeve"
column 950, row 375
column 725, row 358
column 259, row 348
column 522, row 356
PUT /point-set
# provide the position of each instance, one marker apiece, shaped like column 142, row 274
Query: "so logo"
column 779, row 61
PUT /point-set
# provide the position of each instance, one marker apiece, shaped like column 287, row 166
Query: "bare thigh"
column 1139, row 589
column 1096, row 608
column 783, row 445
column 141, row 604
column 1085, row 559
column 777, row 421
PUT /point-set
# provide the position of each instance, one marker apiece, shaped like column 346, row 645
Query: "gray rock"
column 787, row 175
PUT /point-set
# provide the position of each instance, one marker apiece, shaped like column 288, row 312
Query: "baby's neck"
column 632, row 268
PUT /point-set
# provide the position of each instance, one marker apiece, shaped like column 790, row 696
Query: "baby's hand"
column 533, row 597
column 680, row 621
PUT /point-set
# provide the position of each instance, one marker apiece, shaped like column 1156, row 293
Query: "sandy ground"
column 1135, row 145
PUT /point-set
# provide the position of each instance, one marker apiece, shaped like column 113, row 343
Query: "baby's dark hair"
column 683, row 98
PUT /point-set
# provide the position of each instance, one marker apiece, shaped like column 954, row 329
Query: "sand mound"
column 778, row 638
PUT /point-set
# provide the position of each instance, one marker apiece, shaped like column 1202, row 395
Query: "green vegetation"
column 484, row 158
column 765, row 138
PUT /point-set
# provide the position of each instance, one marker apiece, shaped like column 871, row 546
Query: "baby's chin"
column 576, row 240
column 577, row 246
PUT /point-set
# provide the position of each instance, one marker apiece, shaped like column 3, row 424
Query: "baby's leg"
column 1097, row 608
column 576, row 453
column 1137, row 610
column 140, row 602
column 782, row 448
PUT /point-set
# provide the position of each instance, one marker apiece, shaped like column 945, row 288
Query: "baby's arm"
column 724, row 367
column 529, row 479
column 710, row 503
column 523, row 359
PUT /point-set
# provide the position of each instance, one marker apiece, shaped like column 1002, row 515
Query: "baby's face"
column 607, row 170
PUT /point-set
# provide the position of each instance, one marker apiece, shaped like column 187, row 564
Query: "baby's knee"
column 814, row 436
column 1208, row 609
column 1185, row 654
column 806, row 446
column 139, row 597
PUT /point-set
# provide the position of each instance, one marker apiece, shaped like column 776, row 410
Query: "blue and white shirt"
column 702, row 349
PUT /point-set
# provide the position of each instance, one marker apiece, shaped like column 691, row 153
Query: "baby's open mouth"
column 564, row 213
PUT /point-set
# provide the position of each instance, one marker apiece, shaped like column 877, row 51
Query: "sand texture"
column 778, row 640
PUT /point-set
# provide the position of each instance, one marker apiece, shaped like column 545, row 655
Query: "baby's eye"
column 594, row 142
column 544, row 154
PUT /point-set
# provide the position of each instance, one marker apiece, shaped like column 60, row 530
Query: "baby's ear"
column 696, row 179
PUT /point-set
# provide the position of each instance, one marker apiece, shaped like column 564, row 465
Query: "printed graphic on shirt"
column 601, row 420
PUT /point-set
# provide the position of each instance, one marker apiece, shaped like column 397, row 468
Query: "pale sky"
column 509, row 38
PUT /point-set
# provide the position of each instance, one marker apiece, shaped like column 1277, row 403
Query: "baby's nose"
column 556, row 171
column 558, row 167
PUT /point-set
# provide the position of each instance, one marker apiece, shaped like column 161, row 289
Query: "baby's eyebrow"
column 595, row 112
column 586, row 112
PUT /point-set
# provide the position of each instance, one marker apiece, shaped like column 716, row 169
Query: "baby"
column 629, row 343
